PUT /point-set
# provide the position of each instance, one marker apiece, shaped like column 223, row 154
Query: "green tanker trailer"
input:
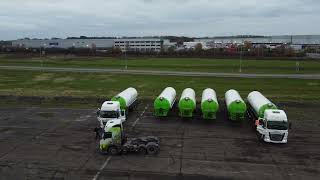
column 236, row 107
column 126, row 98
column 164, row 102
column 209, row 104
column 187, row 103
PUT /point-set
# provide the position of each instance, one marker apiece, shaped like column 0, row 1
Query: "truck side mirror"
column 107, row 135
column 98, row 132
column 261, row 123
column 98, row 112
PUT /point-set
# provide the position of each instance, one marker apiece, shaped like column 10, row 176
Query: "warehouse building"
column 64, row 43
column 134, row 44
column 143, row 45
column 4, row 44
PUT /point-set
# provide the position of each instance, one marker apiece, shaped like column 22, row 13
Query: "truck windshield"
column 277, row 125
column 109, row 114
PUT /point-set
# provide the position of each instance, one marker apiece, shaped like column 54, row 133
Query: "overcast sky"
column 63, row 18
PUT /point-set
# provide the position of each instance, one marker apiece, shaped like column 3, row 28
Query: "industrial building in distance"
column 64, row 43
column 297, row 42
column 142, row 44
column 132, row 44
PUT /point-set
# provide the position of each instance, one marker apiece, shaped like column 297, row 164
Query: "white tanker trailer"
column 270, row 122
column 118, row 107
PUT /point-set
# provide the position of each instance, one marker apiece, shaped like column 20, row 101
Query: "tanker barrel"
column 126, row 97
column 188, row 94
column 165, row 101
column 235, row 105
column 209, row 104
column 209, row 95
column 169, row 94
column 187, row 103
column 260, row 103
column 233, row 96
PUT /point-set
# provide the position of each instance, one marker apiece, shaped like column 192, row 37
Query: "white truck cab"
column 112, row 134
column 113, row 141
column 110, row 110
column 273, row 127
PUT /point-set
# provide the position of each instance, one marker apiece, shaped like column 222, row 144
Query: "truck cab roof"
column 110, row 106
column 113, row 123
column 275, row 115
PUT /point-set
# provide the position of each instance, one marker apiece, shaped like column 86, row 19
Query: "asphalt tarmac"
column 59, row 143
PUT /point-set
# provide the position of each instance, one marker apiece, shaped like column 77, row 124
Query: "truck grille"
column 276, row 137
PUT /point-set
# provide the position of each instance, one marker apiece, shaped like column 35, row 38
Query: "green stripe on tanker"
column 209, row 104
column 126, row 98
column 259, row 103
column 161, row 107
column 237, row 110
column 122, row 101
column 235, row 105
column 265, row 107
column 187, row 103
column 187, row 107
column 164, row 102
column 209, row 109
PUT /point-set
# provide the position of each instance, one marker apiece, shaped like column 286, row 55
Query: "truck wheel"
column 142, row 151
column 125, row 152
column 113, row 150
column 152, row 148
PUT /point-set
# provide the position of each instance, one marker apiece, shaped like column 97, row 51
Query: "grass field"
column 175, row 64
column 95, row 85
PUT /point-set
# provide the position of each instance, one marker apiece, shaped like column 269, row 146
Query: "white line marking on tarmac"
column 135, row 122
column 83, row 118
column 18, row 127
column 101, row 168
column 238, row 172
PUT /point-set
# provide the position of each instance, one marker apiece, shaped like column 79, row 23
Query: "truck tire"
column 124, row 152
column 142, row 150
column 113, row 150
column 152, row 148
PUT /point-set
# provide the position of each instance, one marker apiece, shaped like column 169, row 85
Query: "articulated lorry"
column 113, row 141
column 118, row 107
column 270, row 123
